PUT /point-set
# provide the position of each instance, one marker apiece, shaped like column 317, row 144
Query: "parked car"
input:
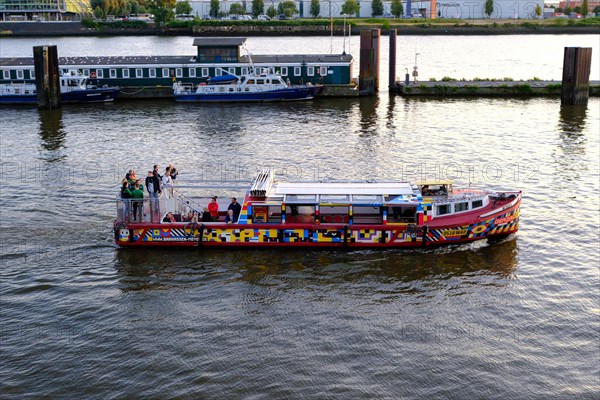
column 282, row 17
column 263, row 17
column 387, row 15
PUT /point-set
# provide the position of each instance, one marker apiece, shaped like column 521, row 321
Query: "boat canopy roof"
column 341, row 188
column 223, row 78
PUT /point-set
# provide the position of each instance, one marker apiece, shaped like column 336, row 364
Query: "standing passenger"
column 213, row 208
column 126, row 197
column 153, row 188
column 137, row 194
column 236, row 208
column 167, row 181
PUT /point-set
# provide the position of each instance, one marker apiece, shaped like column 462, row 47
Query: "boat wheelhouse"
column 215, row 56
column 319, row 214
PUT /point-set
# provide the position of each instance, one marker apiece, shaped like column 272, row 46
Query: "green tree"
column 214, row 8
column 577, row 9
column 397, row 8
column 350, row 7
column 538, row 10
column 98, row 13
column 568, row 10
column 596, row 10
column 162, row 10
column 237, row 9
column 183, row 7
column 315, row 8
column 258, row 7
column 489, row 7
column 271, row 11
column 377, row 8
column 288, row 8
column 585, row 7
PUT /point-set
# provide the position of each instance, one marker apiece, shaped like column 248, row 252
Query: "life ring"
column 93, row 74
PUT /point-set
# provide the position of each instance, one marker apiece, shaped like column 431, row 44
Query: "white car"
column 263, row 17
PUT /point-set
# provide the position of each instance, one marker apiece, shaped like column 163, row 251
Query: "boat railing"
column 458, row 198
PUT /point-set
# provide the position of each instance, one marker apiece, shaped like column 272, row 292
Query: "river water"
column 519, row 319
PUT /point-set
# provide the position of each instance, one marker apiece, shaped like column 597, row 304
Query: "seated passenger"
column 169, row 218
column 206, row 216
column 229, row 217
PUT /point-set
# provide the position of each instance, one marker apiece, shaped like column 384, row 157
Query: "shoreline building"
column 44, row 10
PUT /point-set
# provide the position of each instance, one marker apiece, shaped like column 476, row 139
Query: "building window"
column 31, row 74
column 310, row 71
column 284, row 71
column 126, row 73
column 165, row 72
column 100, row 73
column 86, row 72
column 461, row 206
column 20, row 74
column 179, row 72
column 152, row 72
column 192, row 72
column 477, row 204
column 113, row 73
column 443, row 209
column 204, row 72
column 6, row 74
column 231, row 70
column 297, row 71
column 323, row 71
column 244, row 70
column 139, row 73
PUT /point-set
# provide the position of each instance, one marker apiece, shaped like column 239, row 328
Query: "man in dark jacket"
column 153, row 187
column 237, row 209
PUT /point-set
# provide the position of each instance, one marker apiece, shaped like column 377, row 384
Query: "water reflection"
column 52, row 133
column 293, row 269
column 367, row 107
column 569, row 155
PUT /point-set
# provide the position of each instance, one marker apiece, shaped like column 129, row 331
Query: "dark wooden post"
column 47, row 83
column 369, row 62
column 392, row 81
column 576, row 75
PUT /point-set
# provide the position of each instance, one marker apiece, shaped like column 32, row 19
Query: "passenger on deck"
column 229, row 218
column 173, row 172
column 154, row 190
column 169, row 218
column 155, row 172
column 425, row 191
column 137, row 194
column 213, row 209
column 126, row 196
column 236, row 208
column 206, row 216
column 167, row 181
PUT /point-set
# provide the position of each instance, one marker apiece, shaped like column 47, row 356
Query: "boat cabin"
column 434, row 188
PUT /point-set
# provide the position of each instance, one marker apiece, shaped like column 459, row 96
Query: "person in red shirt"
column 213, row 209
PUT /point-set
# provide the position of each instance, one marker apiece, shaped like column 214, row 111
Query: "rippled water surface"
column 517, row 319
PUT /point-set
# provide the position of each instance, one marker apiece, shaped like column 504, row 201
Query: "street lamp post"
column 344, row 15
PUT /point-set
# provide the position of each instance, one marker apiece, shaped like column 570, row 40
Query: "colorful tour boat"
column 318, row 214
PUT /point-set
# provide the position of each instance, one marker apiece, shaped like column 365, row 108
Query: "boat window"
column 126, row 73
column 6, row 74
column 297, row 71
column 152, row 72
column 310, row 71
column 334, row 214
column 231, row 89
column 332, row 198
column 300, row 214
column 165, row 72
column 401, row 214
column 304, row 198
column 284, row 71
column 113, row 73
column 20, row 74
column 192, row 72
column 477, row 204
column 366, row 198
column 443, row 209
column 366, row 215
column 204, row 72
column 461, row 206
column 139, row 73
column 260, row 81
column 250, row 82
